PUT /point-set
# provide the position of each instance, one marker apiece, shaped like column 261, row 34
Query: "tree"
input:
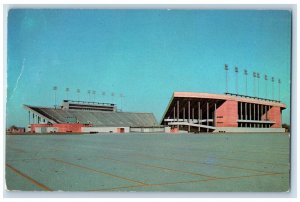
column 287, row 127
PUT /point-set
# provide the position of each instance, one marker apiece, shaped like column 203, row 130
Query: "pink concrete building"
column 204, row 112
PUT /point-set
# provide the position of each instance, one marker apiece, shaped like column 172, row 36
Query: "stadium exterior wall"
column 105, row 129
column 60, row 128
column 226, row 114
column 248, row 130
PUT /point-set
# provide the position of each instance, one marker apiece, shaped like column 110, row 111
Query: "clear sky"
column 144, row 54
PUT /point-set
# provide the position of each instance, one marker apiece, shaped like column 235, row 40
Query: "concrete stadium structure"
column 204, row 112
column 89, row 117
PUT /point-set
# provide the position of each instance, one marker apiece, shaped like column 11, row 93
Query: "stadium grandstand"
column 205, row 112
column 89, row 117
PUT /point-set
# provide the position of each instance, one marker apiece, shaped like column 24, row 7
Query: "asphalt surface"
column 148, row 162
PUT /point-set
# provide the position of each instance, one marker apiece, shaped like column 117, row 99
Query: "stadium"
column 186, row 112
column 89, row 117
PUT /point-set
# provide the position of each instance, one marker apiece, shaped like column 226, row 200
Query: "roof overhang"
column 228, row 97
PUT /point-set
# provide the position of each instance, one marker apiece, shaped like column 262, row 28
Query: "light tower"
column 67, row 92
column 272, row 88
column 254, row 76
column 279, row 82
column 94, row 94
column 89, row 92
column 112, row 95
column 246, row 74
column 236, row 69
column 258, row 77
column 266, row 82
column 121, row 95
column 226, row 70
column 103, row 94
column 55, row 89
column 78, row 92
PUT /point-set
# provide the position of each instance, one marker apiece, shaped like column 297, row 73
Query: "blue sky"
column 144, row 54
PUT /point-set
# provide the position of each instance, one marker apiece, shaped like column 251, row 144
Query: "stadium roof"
column 97, row 118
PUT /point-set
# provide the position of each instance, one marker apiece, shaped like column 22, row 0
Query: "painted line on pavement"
column 184, row 182
column 97, row 171
column 33, row 181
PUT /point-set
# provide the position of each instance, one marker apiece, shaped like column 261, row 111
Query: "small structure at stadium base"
column 204, row 112
column 89, row 117
column 15, row 130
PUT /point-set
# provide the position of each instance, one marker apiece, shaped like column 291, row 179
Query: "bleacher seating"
column 98, row 118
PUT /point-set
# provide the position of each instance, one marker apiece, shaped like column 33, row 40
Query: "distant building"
column 15, row 129
column 204, row 112
column 89, row 117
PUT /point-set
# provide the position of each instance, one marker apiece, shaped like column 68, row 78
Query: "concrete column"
column 183, row 114
column 242, row 111
column 250, row 118
column 189, row 112
column 246, row 114
column 215, row 118
column 207, row 114
column 178, row 113
column 198, row 116
column 258, row 110
column 193, row 115
column 174, row 117
column 201, row 115
column 254, row 112
column 267, row 109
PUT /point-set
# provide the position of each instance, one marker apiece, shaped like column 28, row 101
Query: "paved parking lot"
column 148, row 162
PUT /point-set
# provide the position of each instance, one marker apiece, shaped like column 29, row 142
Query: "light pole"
column 67, row 92
column 121, row 95
column 78, row 92
column 226, row 70
column 258, row 77
column 279, row 82
column 266, row 81
column 236, row 69
column 89, row 92
column 103, row 94
column 254, row 75
column 273, row 88
column 55, row 89
column 112, row 95
column 94, row 94
column 246, row 74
